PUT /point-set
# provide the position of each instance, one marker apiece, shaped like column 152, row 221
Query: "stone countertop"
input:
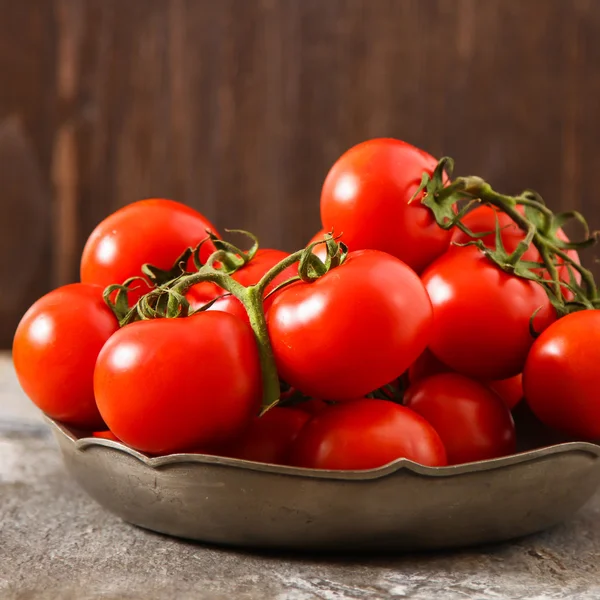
column 56, row 543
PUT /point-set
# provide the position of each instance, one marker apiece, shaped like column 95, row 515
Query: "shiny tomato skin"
column 510, row 390
column 366, row 434
column 351, row 331
column 561, row 378
column 55, row 349
column 250, row 274
column 154, row 231
column 472, row 421
column 481, row 314
column 168, row 385
column 366, row 198
column 269, row 438
column 483, row 218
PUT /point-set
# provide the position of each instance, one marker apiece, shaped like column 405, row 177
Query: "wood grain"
column 239, row 107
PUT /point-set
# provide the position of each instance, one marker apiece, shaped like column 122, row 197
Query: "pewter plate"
column 401, row 506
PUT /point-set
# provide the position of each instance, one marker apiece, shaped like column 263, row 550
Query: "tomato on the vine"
column 269, row 438
column 365, row 434
column 351, row 331
column 250, row 274
column 169, row 385
column 561, row 379
column 484, row 218
column 472, row 421
column 366, row 197
column 154, row 231
column 481, row 314
column 55, row 349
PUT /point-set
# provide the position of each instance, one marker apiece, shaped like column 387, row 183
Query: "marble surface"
column 56, row 543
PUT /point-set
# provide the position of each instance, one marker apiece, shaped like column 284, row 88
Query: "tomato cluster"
column 411, row 334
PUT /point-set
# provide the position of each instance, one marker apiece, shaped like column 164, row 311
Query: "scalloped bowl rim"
column 84, row 443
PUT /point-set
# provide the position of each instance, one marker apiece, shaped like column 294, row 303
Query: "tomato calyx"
column 168, row 300
column 449, row 203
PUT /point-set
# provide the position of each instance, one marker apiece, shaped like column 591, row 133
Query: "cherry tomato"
column 106, row 435
column 561, row 378
column 481, row 314
column 365, row 434
column 167, row 385
column 151, row 231
column 483, row 218
column 269, row 438
column 366, row 197
column 250, row 274
column 353, row 330
column 510, row 390
column 55, row 349
column 472, row 421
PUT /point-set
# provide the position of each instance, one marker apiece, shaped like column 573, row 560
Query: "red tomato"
column 55, row 349
column 561, row 378
column 483, row 219
column 250, row 274
column 269, row 438
column 351, row 331
column 366, row 197
column 510, row 390
column 366, row 434
column 168, row 385
column 106, row 435
column 481, row 314
column 472, row 421
column 312, row 407
column 151, row 231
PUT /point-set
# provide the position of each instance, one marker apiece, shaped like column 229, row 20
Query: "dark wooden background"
column 239, row 107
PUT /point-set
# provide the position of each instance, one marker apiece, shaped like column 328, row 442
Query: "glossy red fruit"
column 510, row 390
column 481, row 314
column 154, row 231
column 55, row 349
column 365, row 434
column 169, row 385
column 366, row 197
column 561, row 378
column 472, row 421
column 351, row 331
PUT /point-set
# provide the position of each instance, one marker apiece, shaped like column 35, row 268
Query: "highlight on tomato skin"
column 367, row 197
column 366, row 434
column 472, row 421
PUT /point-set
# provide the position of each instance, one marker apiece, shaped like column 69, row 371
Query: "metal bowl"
column 401, row 506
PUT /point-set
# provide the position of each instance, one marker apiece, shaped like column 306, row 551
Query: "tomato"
column 151, row 231
column 351, row 331
column 167, row 385
column 366, row 197
column 483, row 218
column 55, row 349
column 481, row 314
column 312, row 407
column 510, row 390
column 250, row 274
column 472, row 421
column 106, row 435
column 269, row 438
column 561, row 378
column 366, row 434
